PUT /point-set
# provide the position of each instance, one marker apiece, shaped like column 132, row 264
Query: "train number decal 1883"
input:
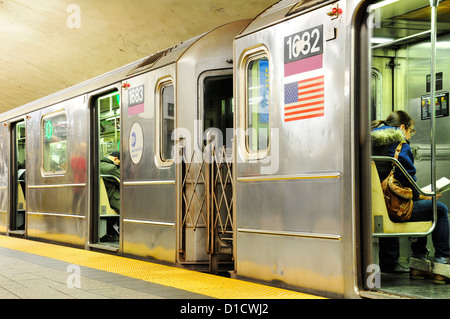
column 136, row 95
column 303, row 44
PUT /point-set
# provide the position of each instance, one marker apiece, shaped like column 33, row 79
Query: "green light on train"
column 48, row 129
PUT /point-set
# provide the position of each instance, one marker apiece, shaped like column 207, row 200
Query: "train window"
column 54, row 143
column 20, row 144
column 257, row 117
column 166, row 118
column 109, row 108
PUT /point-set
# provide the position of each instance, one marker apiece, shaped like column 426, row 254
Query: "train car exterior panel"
column 288, row 205
column 293, row 261
column 303, row 149
column 73, row 120
column 151, row 209
column 57, row 195
column 149, row 191
column 152, row 240
column 276, row 12
column 145, row 166
column 149, row 224
column 307, row 147
column 287, row 217
column 53, row 198
column 210, row 57
column 3, row 222
column 212, row 53
column 58, row 228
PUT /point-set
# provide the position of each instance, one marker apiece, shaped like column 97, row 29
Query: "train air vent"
column 302, row 5
column 149, row 62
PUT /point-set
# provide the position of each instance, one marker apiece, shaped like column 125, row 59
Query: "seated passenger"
column 386, row 136
column 110, row 166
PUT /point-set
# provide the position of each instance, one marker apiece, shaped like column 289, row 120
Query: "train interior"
column 401, row 80
column 106, row 211
column 218, row 105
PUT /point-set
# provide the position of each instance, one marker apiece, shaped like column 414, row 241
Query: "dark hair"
column 395, row 119
column 115, row 154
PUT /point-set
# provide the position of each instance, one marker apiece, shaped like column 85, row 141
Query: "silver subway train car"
column 245, row 149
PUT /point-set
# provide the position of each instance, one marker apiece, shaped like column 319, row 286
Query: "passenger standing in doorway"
column 111, row 166
column 386, row 135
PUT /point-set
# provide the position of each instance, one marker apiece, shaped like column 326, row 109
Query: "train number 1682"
column 303, row 44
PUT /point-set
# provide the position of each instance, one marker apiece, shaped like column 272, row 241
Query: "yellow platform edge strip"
column 188, row 280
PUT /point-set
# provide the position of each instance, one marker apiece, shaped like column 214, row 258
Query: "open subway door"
column 105, row 113
column 17, row 190
column 407, row 62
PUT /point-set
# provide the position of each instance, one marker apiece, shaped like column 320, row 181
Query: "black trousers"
column 389, row 251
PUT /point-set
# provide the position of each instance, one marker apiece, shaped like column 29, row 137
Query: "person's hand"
column 423, row 197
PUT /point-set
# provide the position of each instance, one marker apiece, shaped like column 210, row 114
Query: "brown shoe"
column 439, row 279
column 441, row 273
column 420, row 269
column 420, row 274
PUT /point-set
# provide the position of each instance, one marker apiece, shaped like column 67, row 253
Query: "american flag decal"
column 304, row 99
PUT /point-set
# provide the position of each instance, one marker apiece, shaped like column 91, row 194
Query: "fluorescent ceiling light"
column 380, row 40
column 382, row 4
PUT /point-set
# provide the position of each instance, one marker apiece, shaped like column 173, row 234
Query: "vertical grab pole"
column 433, row 4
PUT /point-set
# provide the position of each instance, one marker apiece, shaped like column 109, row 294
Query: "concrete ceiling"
column 49, row 45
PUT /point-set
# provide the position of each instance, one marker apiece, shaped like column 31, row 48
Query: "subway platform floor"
column 36, row 270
